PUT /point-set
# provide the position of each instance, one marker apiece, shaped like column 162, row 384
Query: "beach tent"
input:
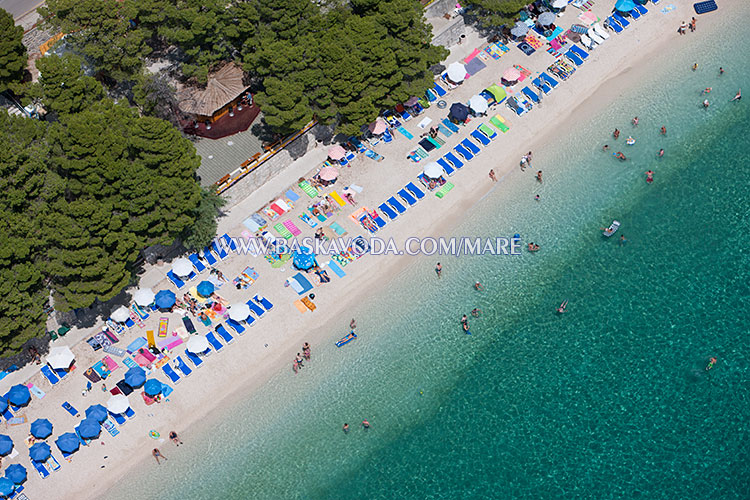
column 198, row 344
column 16, row 473
column 520, row 29
column 144, row 297
column 546, row 18
column 68, row 442
column 60, row 357
column 303, row 259
column 237, row 312
column 459, row 112
column 182, row 267
column 6, row 487
column 205, row 288
column 478, row 104
column 41, row 428
column 118, row 404
column 135, row 377
column 97, row 412
column 336, row 152
column 6, row 445
column 165, row 299
column 432, row 170
column 121, row 314
column 328, row 173
column 39, row 452
column 497, row 92
column 625, row 5
column 152, row 387
column 19, row 395
column 456, row 72
column 378, row 126
column 89, row 428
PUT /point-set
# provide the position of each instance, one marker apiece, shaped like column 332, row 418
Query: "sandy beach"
column 270, row 345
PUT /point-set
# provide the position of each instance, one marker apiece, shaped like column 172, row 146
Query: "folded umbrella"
column 41, row 428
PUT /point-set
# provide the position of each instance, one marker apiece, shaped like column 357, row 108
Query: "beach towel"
column 300, row 306
column 283, row 231
column 445, row 131
column 558, row 31
column 110, row 427
column 115, row 351
column 92, row 375
column 150, row 338
column 163, row 326
column 337, row 198
column 475, row 66
column 499, row 122
column 307, row 220
column 444, row 190
column 308, row 303
column 526, row 48
column 336, row 269
column 129, row 362
column 69, row 408
column 303, row 282
column 308, row 189
column 449, row 124
column 405, row 133
column 36, row 391
column 423, row 124
column 295, row 285
column 525, row 73
column 136, row 344
column 102, row 339
column 422, row 153
column 337, row 228
column 472, row 55
column 534, row 41
column 101, row 370
column 292, row 228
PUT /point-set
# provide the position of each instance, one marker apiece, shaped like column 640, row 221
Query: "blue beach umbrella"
column 97, row 412
column 39, row 452
column 68, row 442
column 152, row 387
column 19, row 395
column 135, row 377
column 165, row 299
column 16, row 473
column 459, row 112
column 304, row 259
column 89, row 428
column 6, row 487
column 625, row 5
column 6, row 444
column 205, row 288
column 41, row 428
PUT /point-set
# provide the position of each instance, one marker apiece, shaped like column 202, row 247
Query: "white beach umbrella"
column 478, row 104
column 144, row 297
column 456, row 72
column 239, row 312
column 118, row 403
column 197, row 344
column 60, row 357
column 433, row 170
column 182, row 267
column 546, row 18
column 121, row 314
column 559, row 4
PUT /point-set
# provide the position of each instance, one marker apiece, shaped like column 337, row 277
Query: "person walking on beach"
column 439, row 270
column 295, row 367
column 692, row 24
column 683, row 28
column 299, row 360
column 157, row 455
column 346, row 428
column 524, row 163
column 492, row 176
column 175, row 439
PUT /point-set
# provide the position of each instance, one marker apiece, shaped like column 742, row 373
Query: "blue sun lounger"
column 531, row 95
column 69, row 408
column 219, row 250
column 641, row 9
column 267, row 305
column 465, row 153
column 392, row 201
column 483, row 139
column 40, row 468
column 224, row 334
column 197, row 264
column 175, row 280
column 635, row 14
column 449, row 156
column 194, row 358
column 550, row 81
column 614, row 24
column 171, row 374
column 623, row 22
column 218, row 346
column 471, row 146
column 440, row 91
column 229, row 242
column 118, row 417
column 209, row 257
column 408, row 198
column 579, row 52
column 255, row 308
column 49, row 375
column 573, row 57
column 452, row 126
column 184, row 368
column 130, row 413
column 388, row 211
column 237, row 326
column 446, row 166
column 415, row 190
column 538, row 83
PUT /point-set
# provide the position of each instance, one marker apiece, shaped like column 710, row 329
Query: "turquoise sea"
column 611, row 400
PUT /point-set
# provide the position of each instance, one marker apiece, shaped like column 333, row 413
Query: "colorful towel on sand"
column 129, row 362
column 338, row 229
column 475, row 66
column 525, row 73
column 534, row 41
column 36, row 391
column 110, row 427
column 472, row 55
column 245, row 279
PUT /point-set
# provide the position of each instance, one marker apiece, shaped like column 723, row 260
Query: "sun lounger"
column 255, row 308
column 7, row 415
column 465, row 153
column 237, row 326
column 182, row 366
column 40, row 468
column 531, row 95
column 538, row 83
column 188, row 326
column 209, row 257
column 471, row 147
column 635, row 14
column 499, row 122
column 49, row 375
column 224, row 334
column 483, row 139
column 283, row 231
column 623, row 22
column 452, row 126
column 573, row 57
column 388, row 211
column 415, row 190
column 550, row 81
column 69, row 408
column 130, row 413
column 612, row 23
column 486, row 130
column 444, row 190
column 229, row 242
column 169, row 372
column 395, row 204
column 194, row 358
column 175, row 280
column 197, row 264
column 449, row 156
column 446, row 166
column 439, row 90
column 579, row 52
column 264, row 302
column 218, row 346
column 219, row 250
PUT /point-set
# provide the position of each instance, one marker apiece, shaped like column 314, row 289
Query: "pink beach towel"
column 110, row 364
column 472, row 55
column 292, row 228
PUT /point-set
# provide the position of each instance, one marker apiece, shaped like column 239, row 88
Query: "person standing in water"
column 157, row 455
column 478, row 286
column 635, row 121
column 650, row 176
column 365, row 424
column 661, row 153
column 346, row 428
column 663, row 130
column 738, row 96
column 439, row 270
column 616, row 134
column 622, row 240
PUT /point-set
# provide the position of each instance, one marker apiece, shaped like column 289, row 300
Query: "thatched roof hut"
column 223, row 87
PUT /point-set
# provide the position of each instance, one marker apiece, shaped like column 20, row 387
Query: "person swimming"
column 616, row 134
column 606, row 147
column 635, row 121
column 533, row 247
column 476, row 312
column 661, row 153
column 478, row 286
column 707, row 90
column 663, row 130
column 562, row 307
column 705, row 103
column 650, row 176
column 619, row 156
column 711, row 364
column 738, row 96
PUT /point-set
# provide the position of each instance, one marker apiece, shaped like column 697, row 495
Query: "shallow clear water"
column 611, row 400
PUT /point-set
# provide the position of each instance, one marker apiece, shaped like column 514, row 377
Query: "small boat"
column 346, row 339
column 612, row 229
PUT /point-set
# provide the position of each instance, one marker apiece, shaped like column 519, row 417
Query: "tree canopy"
column 12, row 51
column 495, row 13
column 65, row 89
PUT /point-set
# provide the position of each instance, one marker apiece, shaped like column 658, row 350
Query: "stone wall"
column 451, row 33
column 438, row 8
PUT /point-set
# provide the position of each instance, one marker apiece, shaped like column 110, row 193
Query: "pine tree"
column 12, row 51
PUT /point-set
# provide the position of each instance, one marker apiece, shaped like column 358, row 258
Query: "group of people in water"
column 301, row 358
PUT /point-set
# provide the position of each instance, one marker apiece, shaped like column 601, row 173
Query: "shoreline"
column 443, row 218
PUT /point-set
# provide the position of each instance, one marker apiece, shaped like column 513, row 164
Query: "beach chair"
column 170, row 373
column 579, row 52
column 538, row 83
column 387, row 137
column 219, row 250
column 229, row 242
column 237, row 326
column 194, row 358
column 440, row 91
column 197, row 264
column 49, row 375
column 40, row 468
column 635, row 14
column 548, row 79
column 388, row 211
column 600, row 31
column 224, row 334
column 465, row 153
column 623, row 22
column 395, row 204
column 486, row 130
column 415, row 190
column 452, row 126
column 430, row 95
column 182, row 366
column 573, row 57
column 130, row 414
column 531, row 94
column 267, row 305
column 209, row 257
column 642, row 10
column 449, row 156
column 377, row 219
column 218, row 346
column 499, row 122
column 483, row 139
column 614, row 24
column 471, row 146
column 175, row 280
column 255, row 308
column 446, row 166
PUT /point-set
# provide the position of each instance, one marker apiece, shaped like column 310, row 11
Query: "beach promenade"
column 270, row 345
